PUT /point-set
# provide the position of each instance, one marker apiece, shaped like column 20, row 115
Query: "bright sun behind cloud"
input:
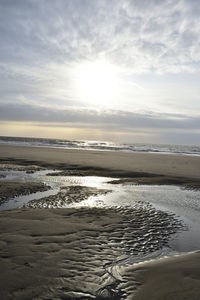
column 96, row 82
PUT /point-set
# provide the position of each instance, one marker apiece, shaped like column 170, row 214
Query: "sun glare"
column 96, row 82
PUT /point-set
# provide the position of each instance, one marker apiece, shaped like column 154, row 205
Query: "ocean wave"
column 101, row 145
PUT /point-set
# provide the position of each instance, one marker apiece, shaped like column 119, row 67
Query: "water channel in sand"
column 145, row 224
column 185, row 204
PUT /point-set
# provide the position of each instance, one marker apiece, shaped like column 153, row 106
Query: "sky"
column 116, row 70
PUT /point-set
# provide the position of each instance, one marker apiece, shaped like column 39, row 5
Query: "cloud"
column 144, row 35
column 97, row 119
column 42, row 42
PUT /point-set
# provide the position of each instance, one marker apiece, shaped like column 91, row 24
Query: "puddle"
column 55, row 182
column 20, row 201
column 185, row 204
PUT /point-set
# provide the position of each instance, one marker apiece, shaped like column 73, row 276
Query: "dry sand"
column 44, row 253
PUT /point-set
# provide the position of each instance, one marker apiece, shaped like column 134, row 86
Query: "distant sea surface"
column 101, row 145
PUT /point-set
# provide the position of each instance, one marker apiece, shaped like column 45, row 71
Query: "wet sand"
column 12, row 189
column 116, row 162
column 44, row 253
column 73, row 253
column 66, row 195
column 173, row 278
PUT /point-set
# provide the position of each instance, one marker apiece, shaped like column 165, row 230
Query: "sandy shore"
column 13, row 189
column 172, row 165
column 68, row 253
column 176, row 278
column 74, row 253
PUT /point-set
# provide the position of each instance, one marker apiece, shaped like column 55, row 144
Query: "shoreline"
column 45, row 252
column 123, row 163
column 91, row 145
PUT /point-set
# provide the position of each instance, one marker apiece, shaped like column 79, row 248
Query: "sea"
column 101, row 145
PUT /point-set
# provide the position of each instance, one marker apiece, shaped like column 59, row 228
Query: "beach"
column 172, row 165
column 70, row 253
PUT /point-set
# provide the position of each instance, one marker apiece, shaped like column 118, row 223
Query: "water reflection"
column 182, row 202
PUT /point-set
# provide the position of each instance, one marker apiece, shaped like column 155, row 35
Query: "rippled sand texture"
column 13, row 189
column 66, row 195
column 22, row 166
column 70, row 253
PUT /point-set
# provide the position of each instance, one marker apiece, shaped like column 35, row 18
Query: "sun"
column 96, row 81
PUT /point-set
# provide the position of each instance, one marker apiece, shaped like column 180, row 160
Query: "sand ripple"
column 73, row 253
column 66, row 196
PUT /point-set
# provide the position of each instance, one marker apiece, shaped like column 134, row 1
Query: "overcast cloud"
column 154, row 46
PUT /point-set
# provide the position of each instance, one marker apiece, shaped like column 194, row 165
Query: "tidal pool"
column 185, row 204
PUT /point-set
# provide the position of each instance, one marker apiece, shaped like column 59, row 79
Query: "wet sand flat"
column 69, row 253
column 173, row 278
column 171, row 165
column 13, row 189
